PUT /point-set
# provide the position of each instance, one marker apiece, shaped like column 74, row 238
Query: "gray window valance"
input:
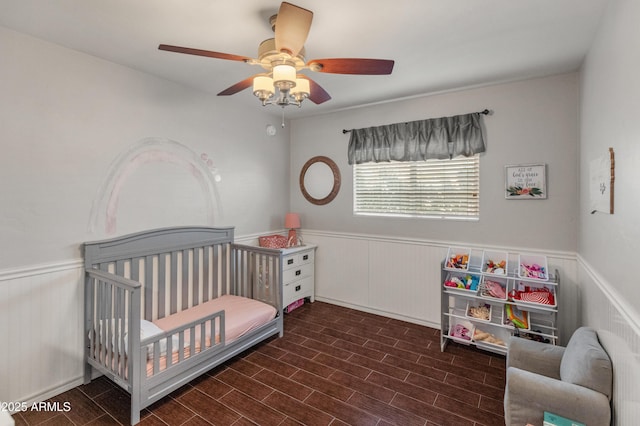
column 418, row 140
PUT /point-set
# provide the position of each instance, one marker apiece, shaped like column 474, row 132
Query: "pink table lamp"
column 292, row 222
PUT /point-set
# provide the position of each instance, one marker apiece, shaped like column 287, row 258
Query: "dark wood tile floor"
column 334, row 366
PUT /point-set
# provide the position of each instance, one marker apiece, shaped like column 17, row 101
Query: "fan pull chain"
column 283, row 117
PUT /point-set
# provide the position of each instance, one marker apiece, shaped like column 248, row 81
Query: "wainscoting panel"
column 41, row 313
column 41, row 309
column 618, row 328
column 400, row 278
column 342, row 270
column 404, row 280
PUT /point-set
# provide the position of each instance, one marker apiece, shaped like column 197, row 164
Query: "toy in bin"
column 498, row 268
column 486, row 337
column 461, row 332
column 468, row 282
column 533, row 271
column 458, row 261
column 494, row 289
column 516, row 317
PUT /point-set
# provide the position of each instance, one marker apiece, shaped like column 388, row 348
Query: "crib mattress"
column 241, row 315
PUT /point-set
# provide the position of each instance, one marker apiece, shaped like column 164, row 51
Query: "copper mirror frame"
column 336, row 180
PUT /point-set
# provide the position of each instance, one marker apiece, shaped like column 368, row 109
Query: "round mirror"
column 320, row 180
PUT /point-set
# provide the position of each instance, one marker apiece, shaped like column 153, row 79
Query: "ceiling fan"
column 282, row 57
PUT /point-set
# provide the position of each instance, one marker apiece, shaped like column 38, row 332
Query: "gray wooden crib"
column 134, row 280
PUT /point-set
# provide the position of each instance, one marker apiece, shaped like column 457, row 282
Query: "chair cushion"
column 585, row 362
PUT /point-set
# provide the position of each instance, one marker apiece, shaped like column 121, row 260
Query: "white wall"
column 67, row 123
column 608, row 244
column 534, row 121
column 609, row 118
column 67, row 118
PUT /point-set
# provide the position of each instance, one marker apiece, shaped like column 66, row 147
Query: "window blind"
column 432, row 188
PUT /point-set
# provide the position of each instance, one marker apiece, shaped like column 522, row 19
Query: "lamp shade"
column 292, row 221
column 263, row 86
column 302, row 87
column 284, row 76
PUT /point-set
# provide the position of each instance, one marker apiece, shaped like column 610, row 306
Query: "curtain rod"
column 484, row 111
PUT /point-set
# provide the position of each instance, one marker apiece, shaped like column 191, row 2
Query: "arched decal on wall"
column 152, row 150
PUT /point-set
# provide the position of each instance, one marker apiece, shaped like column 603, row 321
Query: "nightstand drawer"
column 297, row 290
column 294, row 260
column 296, row 273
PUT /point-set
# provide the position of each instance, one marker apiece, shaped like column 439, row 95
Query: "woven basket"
column 273, row 241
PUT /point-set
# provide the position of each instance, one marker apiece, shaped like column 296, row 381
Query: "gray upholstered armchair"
column 573, row 382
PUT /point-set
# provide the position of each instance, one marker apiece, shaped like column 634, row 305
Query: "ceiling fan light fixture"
column 282, row 56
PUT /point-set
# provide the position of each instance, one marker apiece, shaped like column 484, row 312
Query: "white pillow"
column 147, row 329
column 114, row 327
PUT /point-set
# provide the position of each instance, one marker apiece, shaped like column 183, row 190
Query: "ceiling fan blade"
column 207, row 53
column 317, row 94
column 238, row 87
column 292, row 28
column 352, row 66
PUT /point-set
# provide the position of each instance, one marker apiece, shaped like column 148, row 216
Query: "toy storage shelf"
column 523, row 279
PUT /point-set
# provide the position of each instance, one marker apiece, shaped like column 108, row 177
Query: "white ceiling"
column 437, row 45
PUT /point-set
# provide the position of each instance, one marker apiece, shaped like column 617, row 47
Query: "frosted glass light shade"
column 263, row 86
column 302, row 87
column 284, row 76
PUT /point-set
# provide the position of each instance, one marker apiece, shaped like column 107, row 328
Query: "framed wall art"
column 526, row 182
column 602, row 177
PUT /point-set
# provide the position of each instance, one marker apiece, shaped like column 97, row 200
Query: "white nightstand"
column 298, row 273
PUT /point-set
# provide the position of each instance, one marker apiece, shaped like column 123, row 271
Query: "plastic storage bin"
column 491, row 338
column 532, row 266
column 470, row 282
column 489, row 288
column 529, row 294
column 523, row 321
column 459, row 329
column 458, row 259
column 479, row 311
column 495, row 262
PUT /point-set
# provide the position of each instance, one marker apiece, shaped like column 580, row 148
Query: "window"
column 446, row 189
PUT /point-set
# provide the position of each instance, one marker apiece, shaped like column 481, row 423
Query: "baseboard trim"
column 378, row 312
column 50, row 393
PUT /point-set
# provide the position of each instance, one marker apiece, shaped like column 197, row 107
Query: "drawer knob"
column 289, row 261
column 298, row 272
column 305, row 257
column 298, row 288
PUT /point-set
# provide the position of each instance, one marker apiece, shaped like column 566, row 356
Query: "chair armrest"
column 529, row 395
column 536, row 357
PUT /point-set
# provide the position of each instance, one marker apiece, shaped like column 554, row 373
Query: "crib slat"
column 148, row 288
column 181, row 346
column 195, row 266
column 135, row 271
column 174, row 283
column 161, row 285
column 118, row 326
column 216, row 279
column 205, row 273
column 223, row 267
column 185, row 279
